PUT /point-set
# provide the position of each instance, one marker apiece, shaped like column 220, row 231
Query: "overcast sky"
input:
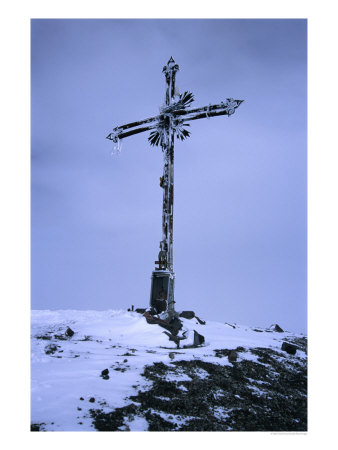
column 240, row 182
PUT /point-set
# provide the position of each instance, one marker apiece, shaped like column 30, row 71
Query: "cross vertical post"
column 164, row 276
column 172, row 121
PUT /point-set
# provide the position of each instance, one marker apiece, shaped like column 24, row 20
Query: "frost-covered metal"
column 170, row 123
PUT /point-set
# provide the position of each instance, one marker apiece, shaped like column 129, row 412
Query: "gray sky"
column 240, row 182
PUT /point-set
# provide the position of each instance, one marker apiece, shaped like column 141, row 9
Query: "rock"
column 69, row 332
column 187, row 314
column 198, row 339
column 232, row 356
column 81, row 398
column 104, row 374
column 202, row 322
column 289, row 348
column 277, row 328
column 171, row 355
column 92, row 399
column 51, row 348
column 60, row 337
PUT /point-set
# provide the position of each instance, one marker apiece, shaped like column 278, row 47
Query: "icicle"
column 208, row 111
column 117, row 146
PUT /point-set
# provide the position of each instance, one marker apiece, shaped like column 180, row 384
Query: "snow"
column 124, row 343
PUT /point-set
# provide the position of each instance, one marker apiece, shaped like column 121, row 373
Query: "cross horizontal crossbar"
column 185, row 115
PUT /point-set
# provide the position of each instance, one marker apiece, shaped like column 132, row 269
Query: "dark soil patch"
column 223, row 352
column 60, row 337
column 268, row 395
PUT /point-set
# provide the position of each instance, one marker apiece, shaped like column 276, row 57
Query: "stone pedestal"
column 162, row 291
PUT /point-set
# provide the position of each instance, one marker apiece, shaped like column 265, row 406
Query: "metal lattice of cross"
column 170, row 123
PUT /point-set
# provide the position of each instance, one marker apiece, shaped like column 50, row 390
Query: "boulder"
column 140, row 310
column 69, row 332
column 202, row 322
column 232, row 356
column 198, row 339
column 277, row 328
column 187, row 314
column 289, row 348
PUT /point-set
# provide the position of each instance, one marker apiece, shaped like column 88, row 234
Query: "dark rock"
column 81, row 398
column 46, row 338
column 51, row 348
column 198, row 339
column 37, row 426
column 277, row 328
column 221, row 353
column 187, row 314
column 232, row 356
column 104, row 373
column 202, row 322
column 92, row 399
column 60, row 337
column 289, row 348
column 69, row 332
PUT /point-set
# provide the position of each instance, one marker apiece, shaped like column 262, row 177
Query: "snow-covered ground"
column 66, row 380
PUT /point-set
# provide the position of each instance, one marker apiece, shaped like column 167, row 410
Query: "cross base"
column 162, row 292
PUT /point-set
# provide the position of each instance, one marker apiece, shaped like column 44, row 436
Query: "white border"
column 15, row 226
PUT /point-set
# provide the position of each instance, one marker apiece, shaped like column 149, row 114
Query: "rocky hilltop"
column 114, row 371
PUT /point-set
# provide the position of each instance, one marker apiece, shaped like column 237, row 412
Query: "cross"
column 170, row 123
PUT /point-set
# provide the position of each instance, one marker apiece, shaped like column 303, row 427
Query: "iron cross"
column 172, row 121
